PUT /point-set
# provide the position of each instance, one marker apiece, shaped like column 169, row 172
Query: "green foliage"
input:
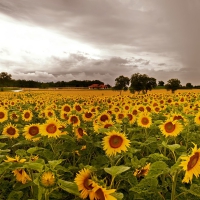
column 142, row 82
column 121, row 83
column 116, row 170
column 173, row 84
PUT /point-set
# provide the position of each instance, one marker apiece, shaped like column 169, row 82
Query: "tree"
column 189, row 85
column 5, row 78
column 161, row 83
column 121, row 83
column 173, row 84
column 142, row 82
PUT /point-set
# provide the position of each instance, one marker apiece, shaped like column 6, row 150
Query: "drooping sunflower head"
column 84, row 182
column 48, row 179
column 15, row 160
column 171, row 127
column 21, row 175
column 191, row 165
column 142, row 171
column 30, row 131
column 79, row 132
column 115, row 142
column 11, row 131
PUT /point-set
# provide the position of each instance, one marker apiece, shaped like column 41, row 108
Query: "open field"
column 86, row 92
column 77, row 144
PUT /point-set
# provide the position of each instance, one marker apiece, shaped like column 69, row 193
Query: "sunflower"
column 14, row 116
column 171, row 127
column 48, row 179
column 21, row 175
column 143, row 171
column 197, row 118
column 85, row 184
column 11, row 131
column 104, row 116
column 49, row 113
column 64, row 115
column 27, row 115
column 107, row 124
column 30, row 131
column 115, row 142
column 79, row 132
column 87, row 116
column 119, row 117
column 74, row 120
column 66, row 108
column 3, row 114
column 103, row 193
column 131, row 118
column 191, row 164
column 16, row 159
column 78, row 107
column 144, row 120
column 51, row 128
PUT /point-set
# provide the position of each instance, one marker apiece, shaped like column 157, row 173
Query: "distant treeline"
column 36, row 84
column 7, row 81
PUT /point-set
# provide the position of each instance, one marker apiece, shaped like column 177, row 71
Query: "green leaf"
column 69, row 187
column 2, row 145
column 158, row 157
column 54, row 163
column 194, row 190
column 115, row 170
column 3, row 136
column 15, row 195
column 21, row 152
column 4, row 151
column 4, row 166
column 172, row 147
column 149, row 141
column 157, row 168
column 34, row 166
column 34, row 149
column 146, row 185
column 118, row 196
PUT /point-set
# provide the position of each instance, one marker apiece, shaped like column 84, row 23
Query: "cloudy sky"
column 64, row 40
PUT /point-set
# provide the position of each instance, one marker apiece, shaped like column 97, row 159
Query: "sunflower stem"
column 112, row 181
column 46, row 195
column 174, row 181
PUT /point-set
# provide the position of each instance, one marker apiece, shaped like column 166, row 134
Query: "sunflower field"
column 56, row 146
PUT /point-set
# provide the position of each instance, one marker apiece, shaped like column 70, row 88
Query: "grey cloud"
column 162, row 27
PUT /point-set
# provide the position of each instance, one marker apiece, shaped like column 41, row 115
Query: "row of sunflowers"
column 55, row 146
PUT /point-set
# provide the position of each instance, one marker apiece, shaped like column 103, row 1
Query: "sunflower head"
column 171, row 127
column 191, row 165
column 115, row 142
column 48, row 179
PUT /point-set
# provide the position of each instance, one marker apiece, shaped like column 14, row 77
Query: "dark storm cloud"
column 160, row 27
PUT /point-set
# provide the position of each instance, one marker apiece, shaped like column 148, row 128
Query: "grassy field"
column 87, row 92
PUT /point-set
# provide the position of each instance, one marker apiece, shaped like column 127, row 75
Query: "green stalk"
column 46, row 195
column 174, row 181
column 112, row 181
